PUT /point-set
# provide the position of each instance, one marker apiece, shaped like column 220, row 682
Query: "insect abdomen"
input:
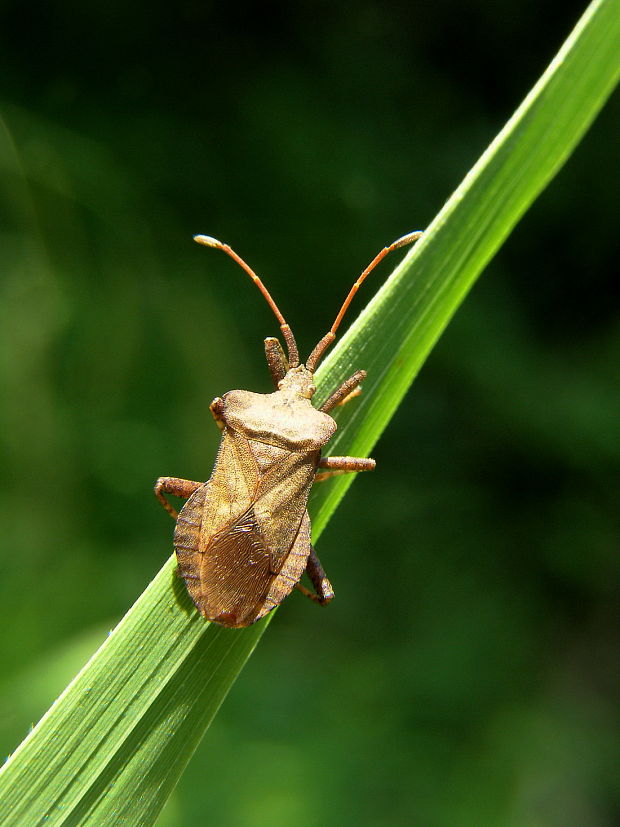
column 187, row 543
column 231, row 581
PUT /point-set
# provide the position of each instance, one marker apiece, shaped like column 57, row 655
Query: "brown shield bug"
column 242, row 539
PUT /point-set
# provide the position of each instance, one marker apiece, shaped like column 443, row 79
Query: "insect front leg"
column 322, row 586
column 177, row 487
column 276, row 360
column 217, row 412
column 347, row 391
column 343, row 465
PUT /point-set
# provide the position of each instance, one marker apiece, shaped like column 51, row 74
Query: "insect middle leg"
column 343, row 465
column 322, row 586
column 177, row 487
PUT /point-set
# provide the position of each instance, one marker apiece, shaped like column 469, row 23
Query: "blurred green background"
column 467, row 673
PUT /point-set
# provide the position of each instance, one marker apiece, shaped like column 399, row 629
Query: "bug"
column 242, row 539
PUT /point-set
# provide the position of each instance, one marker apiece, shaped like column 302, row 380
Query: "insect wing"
column 235, row 572
column 212, row 510
column 235, row 534
column 281, row 502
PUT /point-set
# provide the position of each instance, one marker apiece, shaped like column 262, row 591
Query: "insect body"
column 242, row 539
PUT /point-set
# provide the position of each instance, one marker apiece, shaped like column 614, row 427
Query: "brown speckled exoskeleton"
column 242, row 539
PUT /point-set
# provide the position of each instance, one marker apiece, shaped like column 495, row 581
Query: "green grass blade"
column 112, row 747
column 130, row 720
column 396, row 332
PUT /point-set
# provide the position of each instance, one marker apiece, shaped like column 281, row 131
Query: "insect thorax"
column 285, row 419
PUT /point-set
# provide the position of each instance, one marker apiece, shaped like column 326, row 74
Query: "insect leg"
column 176, row 486
column 327, row 475
column 217, row 410
column 348, row 464
column 353, row 395
column 346, row 391
column 276, row 360
column 322, row 586
column 343, row 465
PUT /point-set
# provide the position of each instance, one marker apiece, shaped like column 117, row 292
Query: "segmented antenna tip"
column 407, row 239
column 208, row 241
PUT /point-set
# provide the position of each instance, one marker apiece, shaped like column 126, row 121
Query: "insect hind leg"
column 322, row 586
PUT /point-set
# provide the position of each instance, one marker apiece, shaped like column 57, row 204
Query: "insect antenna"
column 319, row 351
column 287, row 333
